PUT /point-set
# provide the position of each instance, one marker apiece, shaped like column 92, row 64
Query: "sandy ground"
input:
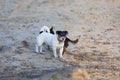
column 97, row 53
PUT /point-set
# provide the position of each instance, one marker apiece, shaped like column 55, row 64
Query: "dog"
column 67, row 40
column 44, row 29
column 56, row 41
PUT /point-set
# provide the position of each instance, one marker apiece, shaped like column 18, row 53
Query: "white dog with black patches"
column 55, row 41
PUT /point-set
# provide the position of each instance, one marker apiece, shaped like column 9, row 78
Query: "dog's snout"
column 62, row 38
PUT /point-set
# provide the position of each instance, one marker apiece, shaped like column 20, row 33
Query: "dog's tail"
column 51, row 30
column 73, row 41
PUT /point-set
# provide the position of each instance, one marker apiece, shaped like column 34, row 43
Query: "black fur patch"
column 62, row 33
column 51, row 30
column 47, row 31
column 40, row 32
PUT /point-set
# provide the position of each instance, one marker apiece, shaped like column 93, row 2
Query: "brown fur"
column 67, row 40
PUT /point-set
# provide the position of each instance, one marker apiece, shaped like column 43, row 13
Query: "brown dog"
column 67, row 40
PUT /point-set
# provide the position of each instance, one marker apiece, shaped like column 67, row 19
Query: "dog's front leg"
column 54, row 52
column 61, row 52
column 40, row 50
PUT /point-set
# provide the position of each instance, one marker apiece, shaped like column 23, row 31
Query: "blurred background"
column 97, row 22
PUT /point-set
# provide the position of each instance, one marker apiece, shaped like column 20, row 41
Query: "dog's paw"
column 36, row 51
column 61, row 57
column 42, row 52
column 55, row 56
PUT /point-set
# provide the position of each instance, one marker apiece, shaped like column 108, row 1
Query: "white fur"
column 45, row 28
column 50, row 40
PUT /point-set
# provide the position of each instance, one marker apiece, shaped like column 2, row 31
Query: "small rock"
column 25, row 43
column 1, row 47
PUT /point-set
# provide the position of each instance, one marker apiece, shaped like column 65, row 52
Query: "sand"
column 97, row 53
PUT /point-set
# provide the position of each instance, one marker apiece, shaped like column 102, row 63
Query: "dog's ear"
column 58, row 32
column 51, row 30
column 40, row 32
column 66, row 32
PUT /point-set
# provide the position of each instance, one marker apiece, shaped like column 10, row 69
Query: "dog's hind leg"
column 36, row 48
column 40, row 50
column 39, row 45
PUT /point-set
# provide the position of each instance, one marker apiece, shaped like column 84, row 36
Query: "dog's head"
column 61, row 35
column 44, row 29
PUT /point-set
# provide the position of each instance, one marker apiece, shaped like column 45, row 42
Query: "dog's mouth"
column 62, row 39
